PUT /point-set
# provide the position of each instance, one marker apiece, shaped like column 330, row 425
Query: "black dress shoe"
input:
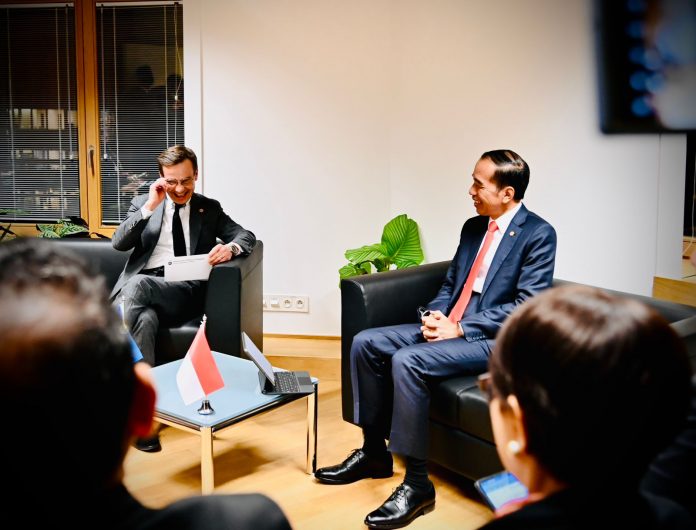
column 357, row 466
column 402, row 507
column 149, row 445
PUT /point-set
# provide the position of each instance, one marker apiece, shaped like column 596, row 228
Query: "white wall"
column 319, row 120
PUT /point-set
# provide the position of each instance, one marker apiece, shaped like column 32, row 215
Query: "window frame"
column 89, row 154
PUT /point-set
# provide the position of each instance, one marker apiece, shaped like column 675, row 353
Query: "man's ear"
column 518, row 426
column 508, row 194
column 143, row 406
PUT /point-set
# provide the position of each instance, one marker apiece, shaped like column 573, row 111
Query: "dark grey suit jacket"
column 207, row 223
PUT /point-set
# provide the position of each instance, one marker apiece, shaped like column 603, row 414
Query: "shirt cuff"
column 145, row 212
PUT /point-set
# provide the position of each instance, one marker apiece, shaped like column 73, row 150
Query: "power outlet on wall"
column 286, row 302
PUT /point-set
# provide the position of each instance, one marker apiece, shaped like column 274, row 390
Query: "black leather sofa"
column 233, row 300
column 461, row 438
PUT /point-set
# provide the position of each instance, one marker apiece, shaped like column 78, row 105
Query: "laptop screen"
column 259, row 358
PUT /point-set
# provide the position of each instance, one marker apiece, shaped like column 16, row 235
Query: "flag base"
column 205, row 409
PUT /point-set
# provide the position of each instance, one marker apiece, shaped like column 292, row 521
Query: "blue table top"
column 240, row 398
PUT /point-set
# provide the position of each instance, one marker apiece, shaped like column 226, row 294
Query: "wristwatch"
column 236, row 251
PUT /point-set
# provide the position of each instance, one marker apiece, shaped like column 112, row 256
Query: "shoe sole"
column 338, row 482
column 424, row 510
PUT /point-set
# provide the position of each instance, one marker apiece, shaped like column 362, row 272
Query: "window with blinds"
column 39, row 178
column 141, row 97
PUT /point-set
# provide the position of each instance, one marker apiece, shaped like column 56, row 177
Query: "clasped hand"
column 436, row 326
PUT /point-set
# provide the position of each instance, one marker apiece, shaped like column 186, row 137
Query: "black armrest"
column 234, row 302
column 382, row 299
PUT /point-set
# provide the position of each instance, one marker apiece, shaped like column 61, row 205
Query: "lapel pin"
column 512, row 233
column 200, row 210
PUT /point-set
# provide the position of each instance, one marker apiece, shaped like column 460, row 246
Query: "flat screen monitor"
column 647, row 65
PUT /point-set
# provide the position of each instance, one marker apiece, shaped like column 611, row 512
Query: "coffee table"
column 241, row 398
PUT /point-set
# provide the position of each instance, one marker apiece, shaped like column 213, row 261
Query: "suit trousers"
column 149, row 301
column 391, row 368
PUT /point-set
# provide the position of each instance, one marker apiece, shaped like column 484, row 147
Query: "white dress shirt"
column 503, row 222
column 165, row 244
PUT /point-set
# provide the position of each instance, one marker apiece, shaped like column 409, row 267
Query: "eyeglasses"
column 485, row 385
column 172, row 183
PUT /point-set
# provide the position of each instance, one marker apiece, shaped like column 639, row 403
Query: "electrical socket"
column 286, row 302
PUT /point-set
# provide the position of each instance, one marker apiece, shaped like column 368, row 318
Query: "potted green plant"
column 400, row 248
column 71, row 227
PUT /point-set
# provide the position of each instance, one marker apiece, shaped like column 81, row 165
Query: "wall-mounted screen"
column 647, row 65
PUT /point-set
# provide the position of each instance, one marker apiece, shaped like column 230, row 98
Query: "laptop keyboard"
column 286, row 382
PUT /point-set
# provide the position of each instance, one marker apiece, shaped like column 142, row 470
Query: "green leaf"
column 402, row 242
column 406, row 264
column 349, row 270
column 64, row 227
column 366, row 253
column 70, row 228
column 382, row 264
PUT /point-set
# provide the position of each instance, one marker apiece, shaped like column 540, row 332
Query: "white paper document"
column 185, row 268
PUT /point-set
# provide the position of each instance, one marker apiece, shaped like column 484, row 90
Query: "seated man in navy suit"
column 506, row 255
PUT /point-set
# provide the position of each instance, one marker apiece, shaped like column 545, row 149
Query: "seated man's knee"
column 407, row 360
column 361, row 346
column 149, row 316
column 138, row 288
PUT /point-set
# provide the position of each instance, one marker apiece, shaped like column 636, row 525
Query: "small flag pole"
column 205, row 409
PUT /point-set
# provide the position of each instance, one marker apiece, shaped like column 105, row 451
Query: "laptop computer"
column 272, row 382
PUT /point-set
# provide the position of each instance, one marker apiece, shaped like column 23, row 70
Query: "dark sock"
column 373, row 442
column 417, row 474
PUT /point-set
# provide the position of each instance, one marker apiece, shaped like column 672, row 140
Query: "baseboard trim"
column 289, row 336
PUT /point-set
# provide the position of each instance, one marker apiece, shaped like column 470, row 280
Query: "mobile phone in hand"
column 501, row 488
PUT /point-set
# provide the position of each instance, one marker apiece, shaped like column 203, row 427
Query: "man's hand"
column 219, row 254
column 156, row 194
column 437, row 326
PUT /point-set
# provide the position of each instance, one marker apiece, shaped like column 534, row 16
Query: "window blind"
column 38, row 113
column 141, row 97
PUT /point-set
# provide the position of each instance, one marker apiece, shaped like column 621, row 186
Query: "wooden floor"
column 267, row 454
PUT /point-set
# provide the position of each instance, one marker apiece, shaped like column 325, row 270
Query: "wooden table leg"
column 312, row 402
column 207, row 472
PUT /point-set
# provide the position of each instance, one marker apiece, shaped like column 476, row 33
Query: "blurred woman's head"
column 586, row 387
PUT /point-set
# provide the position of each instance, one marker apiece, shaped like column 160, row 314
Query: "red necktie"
column 458, row 309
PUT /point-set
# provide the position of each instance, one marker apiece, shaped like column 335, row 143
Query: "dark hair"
column 511, row 170
column 66, row 373
column 177, row 154
column 603, row 382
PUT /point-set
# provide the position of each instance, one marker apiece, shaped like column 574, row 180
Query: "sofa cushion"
column 458, row 403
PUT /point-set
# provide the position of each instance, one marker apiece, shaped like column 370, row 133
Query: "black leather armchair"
column 461, row 438
column 233, row 300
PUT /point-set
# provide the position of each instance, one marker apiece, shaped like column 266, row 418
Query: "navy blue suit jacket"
column 522, row 267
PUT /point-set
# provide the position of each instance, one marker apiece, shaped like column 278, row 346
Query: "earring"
column 514, row 447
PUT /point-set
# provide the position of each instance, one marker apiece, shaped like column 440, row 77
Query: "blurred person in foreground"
column 585, row 389
column 67, row 371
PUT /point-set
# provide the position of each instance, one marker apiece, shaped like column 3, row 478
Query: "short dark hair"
column 66, row 372
column 603, row 382
column 177, row 154
column 511, row 170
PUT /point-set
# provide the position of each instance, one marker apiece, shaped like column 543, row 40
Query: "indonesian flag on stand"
column 198, row 375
